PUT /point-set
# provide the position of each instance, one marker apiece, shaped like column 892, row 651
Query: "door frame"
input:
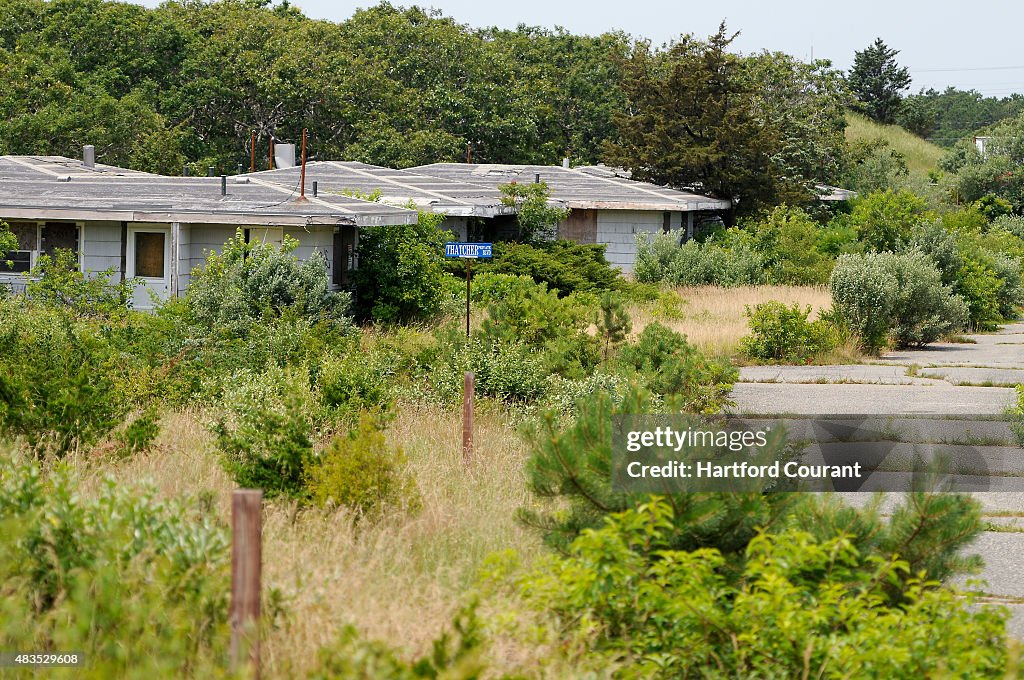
column 152, row 283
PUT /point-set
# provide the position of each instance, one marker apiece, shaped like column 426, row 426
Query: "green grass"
column 921, row 155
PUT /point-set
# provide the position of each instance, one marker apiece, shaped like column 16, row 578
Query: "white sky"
column 944, row 42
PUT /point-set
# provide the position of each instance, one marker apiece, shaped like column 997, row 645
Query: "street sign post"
column 467, row 252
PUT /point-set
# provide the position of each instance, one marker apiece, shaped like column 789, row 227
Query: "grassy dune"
column 921, row 155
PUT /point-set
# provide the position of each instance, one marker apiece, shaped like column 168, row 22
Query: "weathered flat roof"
column 52, row 187
column 580, row 188
column 397, row 187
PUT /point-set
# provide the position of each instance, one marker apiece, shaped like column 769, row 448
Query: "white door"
column 148, row 259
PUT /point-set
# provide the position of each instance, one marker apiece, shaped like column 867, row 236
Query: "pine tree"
column 613, row 323
column 877, row 81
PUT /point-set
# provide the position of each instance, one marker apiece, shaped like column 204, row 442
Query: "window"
column 59, row 235
column 20, row 260
column 149, row 254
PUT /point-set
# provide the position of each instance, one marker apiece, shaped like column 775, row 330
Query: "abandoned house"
column 157, row 228
column 605, row 207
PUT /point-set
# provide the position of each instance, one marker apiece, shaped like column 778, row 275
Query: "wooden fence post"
column 467, row 417
column 246, row 577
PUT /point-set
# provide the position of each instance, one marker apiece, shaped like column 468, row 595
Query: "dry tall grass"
column 399, row 581
column 712, row 318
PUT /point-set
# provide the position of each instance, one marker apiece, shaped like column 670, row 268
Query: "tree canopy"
column 878, row 81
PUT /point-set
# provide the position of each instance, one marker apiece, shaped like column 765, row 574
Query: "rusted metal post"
column 467, row 417
column 302, row 172
column 246, row 577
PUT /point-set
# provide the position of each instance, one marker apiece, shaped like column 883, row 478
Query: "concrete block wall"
column 618, row 229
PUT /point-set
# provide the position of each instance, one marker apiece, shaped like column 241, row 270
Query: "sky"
column 975, row 45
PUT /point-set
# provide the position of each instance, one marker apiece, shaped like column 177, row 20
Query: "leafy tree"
column 537, row 218
column 699, row 116
column 872, row 165
column 877, row 81
column 400, row 270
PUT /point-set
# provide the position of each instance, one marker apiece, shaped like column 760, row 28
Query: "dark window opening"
column 344, row 257
column 16, row 261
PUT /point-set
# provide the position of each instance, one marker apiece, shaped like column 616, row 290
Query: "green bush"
column 249, row 284
column 57, row 386
column 138, row 585
column 563, row 266
column 660, row 259
column 897, row 296
column 360, row 472
column 356, row 379
column 885, row 220
column 788, row 238
column 670, row 366
column 781, row 333
column 139, row 434
column 401, row 270
column 633, row 604
column 980, row 286
column 55, row 280
column 265, row 433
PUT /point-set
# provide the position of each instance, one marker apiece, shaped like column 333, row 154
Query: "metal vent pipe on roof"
column 185, row 170
column 223, row 185
column 239, row 171
column 211, row 171
column 314, row 188
column 89, row 156
column 565, row 163
column 536, row 178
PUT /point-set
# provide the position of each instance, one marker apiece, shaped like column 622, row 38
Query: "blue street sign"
column 471, row 251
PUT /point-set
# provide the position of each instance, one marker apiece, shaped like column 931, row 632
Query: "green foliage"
column 400, row 270
column 138, row 585
column 885, row 220
column 8, row 241
column 788, row 239
column 697, row 115
column 629, row 600
column 361, row 473
column 873, row 165
column 56, row 280
column 613, row 322
column 980, row 286
column 265, row 432
column 996, row 175
column 897, row 296
column 357, row 379
column 139, row 434
column 877, row 81
column 781, row 333
column 957, row 114
column 249, row 284
column 57, row 386
column 670, row 366
column 537, row 218
column 453, row 657
column 562, row 265
column 663, row 259
column 570, row 467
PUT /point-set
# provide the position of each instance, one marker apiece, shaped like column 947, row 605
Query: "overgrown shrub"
column 253, row 284
column 660, row 259
column 788, row 240
column 362, row 473
column 56, row 280
column 980, row 286
column 266, row 431
column 562, row 266
column 57, row 384
column 781, row 333
column 139, row 586
column 139, row 434
column 670, row 366
column 356, row 378
column 897, row 296
column 629, row 601
column 401, row 270
column 885, row 220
